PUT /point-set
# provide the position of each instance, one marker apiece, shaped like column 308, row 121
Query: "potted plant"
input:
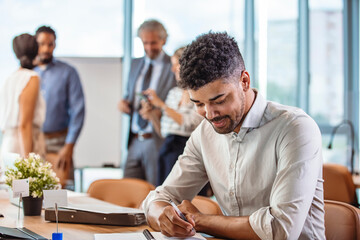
column 41, row 177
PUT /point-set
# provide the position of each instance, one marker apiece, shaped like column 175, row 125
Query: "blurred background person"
column 151, row 71
column 22, row 107
column 179, row 119
column 65, row 113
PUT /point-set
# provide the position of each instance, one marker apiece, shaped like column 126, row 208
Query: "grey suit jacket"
column 166, row 82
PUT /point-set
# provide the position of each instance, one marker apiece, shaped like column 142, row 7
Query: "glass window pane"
column 326, row 103
column 276, row 50
column 184, row 20
column 84, row 27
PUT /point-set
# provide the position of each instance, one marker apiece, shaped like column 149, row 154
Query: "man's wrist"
column 198, row 217
column 69, row 145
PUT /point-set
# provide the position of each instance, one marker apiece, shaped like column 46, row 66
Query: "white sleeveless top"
column 10, row 93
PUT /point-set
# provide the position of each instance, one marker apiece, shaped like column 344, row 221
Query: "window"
column 326, row 90
column 326, row 103
column 184, row 20
column 276, row 33
column 84, row 27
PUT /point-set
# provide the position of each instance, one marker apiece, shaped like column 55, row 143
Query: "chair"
column 338, row 184
column 342, row 221
column 206, row 205
column 126, row 192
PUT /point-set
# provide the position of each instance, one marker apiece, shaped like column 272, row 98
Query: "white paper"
column 55, row 196
column 141, row 236
column 114, row 236
column 20, row 186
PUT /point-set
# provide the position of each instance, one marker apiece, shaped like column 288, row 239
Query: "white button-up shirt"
column 271, row 171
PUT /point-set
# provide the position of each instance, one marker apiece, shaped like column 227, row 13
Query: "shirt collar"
column 256, row 112
column 252, row 119
column 157, row 60
column 50, row 64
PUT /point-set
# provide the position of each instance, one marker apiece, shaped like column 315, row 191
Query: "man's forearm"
column 216, row 225
column 224, row 226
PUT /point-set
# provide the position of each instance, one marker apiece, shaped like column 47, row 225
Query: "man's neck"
column 42, row 66
column 250, row 99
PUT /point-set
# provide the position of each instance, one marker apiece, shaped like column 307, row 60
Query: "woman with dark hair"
column 22, row 108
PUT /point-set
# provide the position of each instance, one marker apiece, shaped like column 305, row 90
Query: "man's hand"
column 153, row 98
column 124, row 106
column 146, row 110
column 65, row 157
column 171, row 224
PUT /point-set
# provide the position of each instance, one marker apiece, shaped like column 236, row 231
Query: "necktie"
column 146, row 83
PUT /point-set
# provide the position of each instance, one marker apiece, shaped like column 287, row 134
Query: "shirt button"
column 231, row 193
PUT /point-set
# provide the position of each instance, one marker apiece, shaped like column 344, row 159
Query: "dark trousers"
column 170, row 151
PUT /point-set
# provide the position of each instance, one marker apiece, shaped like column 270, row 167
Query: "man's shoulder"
column 138, row 60
column 287, row 116
column 167, row 58
column 279, row 110
column 64, row 65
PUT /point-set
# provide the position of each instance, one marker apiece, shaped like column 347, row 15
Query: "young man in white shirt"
column 262, row 159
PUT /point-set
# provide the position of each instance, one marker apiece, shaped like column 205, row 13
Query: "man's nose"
column 210, row 112
column 45, row 48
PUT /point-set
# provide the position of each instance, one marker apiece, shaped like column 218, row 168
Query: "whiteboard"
column 100, row 138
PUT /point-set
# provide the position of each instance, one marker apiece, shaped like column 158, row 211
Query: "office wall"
column 99, row 141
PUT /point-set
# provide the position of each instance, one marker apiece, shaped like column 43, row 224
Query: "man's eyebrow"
column 218, row 96
column 193, row 100
column 211, row 99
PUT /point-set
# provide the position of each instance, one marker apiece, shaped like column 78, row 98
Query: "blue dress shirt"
column 65, row 103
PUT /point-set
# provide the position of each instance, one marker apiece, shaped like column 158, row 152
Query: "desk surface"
column 70, row 231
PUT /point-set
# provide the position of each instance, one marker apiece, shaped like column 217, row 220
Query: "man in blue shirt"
column 65, row 104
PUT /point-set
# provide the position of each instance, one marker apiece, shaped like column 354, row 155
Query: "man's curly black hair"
column 210, row 57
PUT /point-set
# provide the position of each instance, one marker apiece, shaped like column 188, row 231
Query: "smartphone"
column 143, row 96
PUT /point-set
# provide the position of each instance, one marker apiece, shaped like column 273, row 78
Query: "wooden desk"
column 70, row 231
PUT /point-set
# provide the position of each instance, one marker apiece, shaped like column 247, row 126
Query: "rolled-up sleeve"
column 299, row 172
column 186, row 179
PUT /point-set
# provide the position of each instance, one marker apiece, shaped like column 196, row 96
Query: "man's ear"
column 164, row 42
column 245, row 80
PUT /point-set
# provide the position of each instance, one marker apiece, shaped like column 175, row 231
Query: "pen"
column 178, row 211
column 182, row 216
column 148, row 235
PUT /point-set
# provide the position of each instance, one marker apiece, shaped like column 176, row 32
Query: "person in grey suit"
column 152, row 71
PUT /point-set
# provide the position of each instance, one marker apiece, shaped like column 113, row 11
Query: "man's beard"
column 228, row 128
column 46, row 60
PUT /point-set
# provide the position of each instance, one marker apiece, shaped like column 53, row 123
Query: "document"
column 141, row 236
